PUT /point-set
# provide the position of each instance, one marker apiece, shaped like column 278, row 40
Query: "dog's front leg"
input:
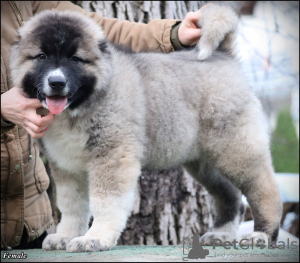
column 73, row 202
column 112, row 181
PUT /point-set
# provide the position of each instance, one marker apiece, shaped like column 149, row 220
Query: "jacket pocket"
column 4, row 155
column 40, row 174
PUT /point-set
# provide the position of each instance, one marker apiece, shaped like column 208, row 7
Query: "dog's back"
column 174, row 88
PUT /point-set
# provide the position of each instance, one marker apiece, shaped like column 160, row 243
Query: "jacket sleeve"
column 5, row 125
column 154, row 36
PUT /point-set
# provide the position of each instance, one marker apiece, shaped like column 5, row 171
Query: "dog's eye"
column 41, row 57
column 75, row 59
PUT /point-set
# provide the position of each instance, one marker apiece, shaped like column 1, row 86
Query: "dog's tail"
column 218, row 30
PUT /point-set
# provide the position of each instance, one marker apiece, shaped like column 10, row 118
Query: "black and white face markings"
column 58, row 78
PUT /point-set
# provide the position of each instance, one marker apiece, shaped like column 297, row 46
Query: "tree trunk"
column 170, row 204
column 141, row 11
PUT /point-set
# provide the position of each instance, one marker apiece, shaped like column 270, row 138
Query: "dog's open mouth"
column 56, row 104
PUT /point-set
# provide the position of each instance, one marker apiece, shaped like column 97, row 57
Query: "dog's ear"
column 103, row 47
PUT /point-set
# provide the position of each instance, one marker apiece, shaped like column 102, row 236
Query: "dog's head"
column 61, row 59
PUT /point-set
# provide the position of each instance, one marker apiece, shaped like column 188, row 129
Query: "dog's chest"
column 66, row 146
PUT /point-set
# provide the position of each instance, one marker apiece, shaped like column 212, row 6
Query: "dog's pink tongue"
column 56, row 104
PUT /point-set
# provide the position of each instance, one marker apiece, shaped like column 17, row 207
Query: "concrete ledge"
column 155, row 254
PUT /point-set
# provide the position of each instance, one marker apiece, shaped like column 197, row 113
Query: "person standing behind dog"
column 25, row 206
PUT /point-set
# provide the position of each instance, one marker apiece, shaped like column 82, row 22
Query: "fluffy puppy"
column 117, row 112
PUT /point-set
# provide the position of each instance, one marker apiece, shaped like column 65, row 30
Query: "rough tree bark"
column 170, row 204
column 141, row 11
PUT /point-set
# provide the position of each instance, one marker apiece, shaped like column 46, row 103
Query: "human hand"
column 18, row 109
column 189, row 33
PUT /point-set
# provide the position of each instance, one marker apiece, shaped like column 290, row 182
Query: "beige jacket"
column 24, row 200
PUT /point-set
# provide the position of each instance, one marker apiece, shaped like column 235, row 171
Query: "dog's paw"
column 208, row 238
column 55, row 242
column 89, row 244
column 260, row 239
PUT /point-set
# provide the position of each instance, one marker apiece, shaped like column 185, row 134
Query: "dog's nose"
column 57, row 82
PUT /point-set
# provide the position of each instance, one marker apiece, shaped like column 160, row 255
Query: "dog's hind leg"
column 252, row 172
column 73, row 202
column 243, row 156
column 228, row 202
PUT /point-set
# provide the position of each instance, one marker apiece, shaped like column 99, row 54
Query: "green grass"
column 285, row 145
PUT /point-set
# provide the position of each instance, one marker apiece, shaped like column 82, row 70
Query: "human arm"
column 161, row 35
column 154, row 36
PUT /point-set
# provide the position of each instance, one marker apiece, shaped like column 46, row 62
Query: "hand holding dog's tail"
column 218, row 30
